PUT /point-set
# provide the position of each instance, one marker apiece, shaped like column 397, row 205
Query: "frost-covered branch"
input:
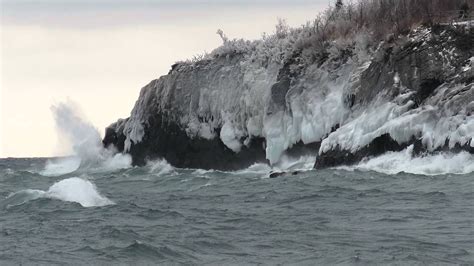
column 346, row 22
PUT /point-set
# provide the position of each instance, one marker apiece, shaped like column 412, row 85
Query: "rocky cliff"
column 251, row 102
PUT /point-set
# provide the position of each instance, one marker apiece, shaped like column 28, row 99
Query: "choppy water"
column 157, row 214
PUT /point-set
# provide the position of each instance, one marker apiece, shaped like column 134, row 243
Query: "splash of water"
column 286, row 164
column 404, row 161
column 160, row 167
column 72, row 189
column 86, row 144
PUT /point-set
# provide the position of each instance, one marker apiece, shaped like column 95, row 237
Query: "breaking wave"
column 286, row 164
column 61, row 166
column 303, row 163
column 405, row 162
column 72, row 189
column 160, row 167
column 86, row 144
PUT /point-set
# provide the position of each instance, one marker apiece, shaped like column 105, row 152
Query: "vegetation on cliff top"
column 362, row 23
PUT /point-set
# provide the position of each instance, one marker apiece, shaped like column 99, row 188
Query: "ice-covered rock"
column 415, row 91
column 251, row 102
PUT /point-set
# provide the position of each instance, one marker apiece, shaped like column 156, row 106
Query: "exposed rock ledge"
column 253, row 104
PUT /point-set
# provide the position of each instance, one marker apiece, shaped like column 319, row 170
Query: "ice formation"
column 418, row 87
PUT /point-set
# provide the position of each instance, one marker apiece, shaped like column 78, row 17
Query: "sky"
column 100, row 53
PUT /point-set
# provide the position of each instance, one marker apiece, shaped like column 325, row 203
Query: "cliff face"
column 416, row 91
column 252, row 104
column 181, row 117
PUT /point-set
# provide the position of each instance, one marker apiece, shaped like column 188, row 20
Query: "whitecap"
column 303, row 163
column 286, row 164
column 202, row 171
column 404, row 161
column 160, row 167
column 61, row 166
column 257, row 168
column 67, row 165
column 72, row 189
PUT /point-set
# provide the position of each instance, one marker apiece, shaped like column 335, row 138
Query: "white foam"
column 114, row 162
column 286, row 163
column 257, row 168
column 203, row 171
column 72, row 189
column 436, row 164
column 303, row 163
column 160, row 167
column 61, row 166
column 107, row 163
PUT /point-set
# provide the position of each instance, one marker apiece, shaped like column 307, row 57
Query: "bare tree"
column 222, row 35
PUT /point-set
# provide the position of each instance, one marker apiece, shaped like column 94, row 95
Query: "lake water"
column 161, row 215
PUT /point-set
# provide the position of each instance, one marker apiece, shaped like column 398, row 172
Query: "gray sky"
column 100, row 53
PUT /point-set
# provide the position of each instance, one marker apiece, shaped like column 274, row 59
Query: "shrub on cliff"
column 360, row 23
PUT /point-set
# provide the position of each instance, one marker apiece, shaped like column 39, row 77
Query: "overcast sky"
column 100, row 53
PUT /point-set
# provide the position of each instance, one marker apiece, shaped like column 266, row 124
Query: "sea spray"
column 85, row 141
column 83, row 137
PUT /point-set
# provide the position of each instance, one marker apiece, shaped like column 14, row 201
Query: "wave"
column 85, row 140
column 61, row 166
column 74, row 164
column 257, row 168
column 72, row 189
column 160, row 167
column 286, row 164
column 143, row 253
column 404, row 162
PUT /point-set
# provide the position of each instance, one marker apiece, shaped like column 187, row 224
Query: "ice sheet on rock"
column 374, row 121
column 430, row 123
column 315, row 107
column 134, row 126
column 230, row 136
column 231, row 91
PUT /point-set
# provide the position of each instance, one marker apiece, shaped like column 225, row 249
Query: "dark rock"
column 276, row 174
column 279, row 174
column 167, row 140
column 378, row 146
